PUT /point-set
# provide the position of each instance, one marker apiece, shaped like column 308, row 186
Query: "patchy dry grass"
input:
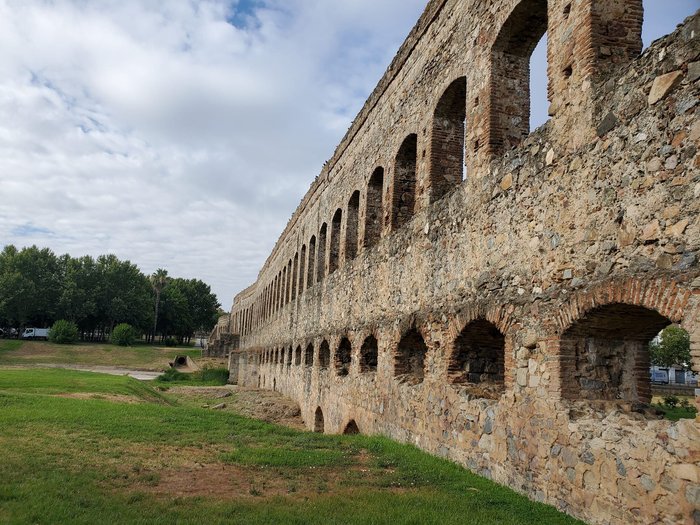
column 141, row 357
column 70, row 457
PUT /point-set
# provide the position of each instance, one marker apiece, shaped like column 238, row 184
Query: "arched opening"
column 539, row 93
column 295, row 273
column 297, row 356
column 605, row 354
column 274, row 384
column 318, row 421
column 289, row 357
column 343, row 357
column 374, row 211
column 289, row 282
column 509, row 105
column 409, row 361
column 335, row 241
column 309, row 356
column 321, row 264
column 478, row 359
column 351, row 226
column 447, row 150
column 324, row 355
column 302, row 269
column 312, row 260
column 404, row 196
column 351, row 428
column 369, row 355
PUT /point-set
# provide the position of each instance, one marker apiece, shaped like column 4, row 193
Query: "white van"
column 35, row 333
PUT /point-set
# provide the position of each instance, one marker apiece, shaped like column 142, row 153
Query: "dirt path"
column 142, row 375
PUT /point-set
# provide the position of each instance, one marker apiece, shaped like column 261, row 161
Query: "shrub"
column 172, row 375
column 63, row 332
column 218, row 375
column 171, row 342
column 122, row 335
column 671, row 401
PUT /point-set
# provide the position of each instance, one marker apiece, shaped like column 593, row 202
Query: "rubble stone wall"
column 502, row 321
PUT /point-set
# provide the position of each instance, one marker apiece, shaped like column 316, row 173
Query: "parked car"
column 35, row 333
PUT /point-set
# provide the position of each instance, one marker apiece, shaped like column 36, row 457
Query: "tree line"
column 37, row 288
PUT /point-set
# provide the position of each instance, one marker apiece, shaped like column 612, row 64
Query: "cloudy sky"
column 183, row 133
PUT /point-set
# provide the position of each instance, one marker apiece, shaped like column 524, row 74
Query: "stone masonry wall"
column 502, row 322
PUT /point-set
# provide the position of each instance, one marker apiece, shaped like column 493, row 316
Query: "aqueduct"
column 487, row 294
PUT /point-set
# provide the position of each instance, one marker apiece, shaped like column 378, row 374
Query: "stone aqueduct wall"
column 502, row 322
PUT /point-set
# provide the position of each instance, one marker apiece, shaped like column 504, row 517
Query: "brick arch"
column 509, row 86
column 343, row 356
column 655, row 303
column 501, row 317
column 351, row 428
column 447, row 154
column 404, row 183
column 403, row 358
column 374, row 208
column 666, row 297
column 319, row 421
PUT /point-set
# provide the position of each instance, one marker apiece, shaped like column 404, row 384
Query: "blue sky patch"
column 29, row 230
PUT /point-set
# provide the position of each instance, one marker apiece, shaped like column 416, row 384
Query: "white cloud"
column 165, row 133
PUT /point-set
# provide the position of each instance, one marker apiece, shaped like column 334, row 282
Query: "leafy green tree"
column 174, row 315
column 63, row 332
column 78, row 300
column 671, row 348
column 123, row 294
column 30, row 282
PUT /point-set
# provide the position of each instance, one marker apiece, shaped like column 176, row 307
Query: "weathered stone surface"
column 663, row 85
column 402, row 298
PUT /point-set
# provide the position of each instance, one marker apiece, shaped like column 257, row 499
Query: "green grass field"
column 89, row 448
column 142, row 357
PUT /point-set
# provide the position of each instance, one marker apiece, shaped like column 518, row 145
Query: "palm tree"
column 159, row 280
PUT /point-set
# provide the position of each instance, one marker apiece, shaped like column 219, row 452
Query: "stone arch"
column 374, row 208
column 334, row 256
column 343, row 357
column 288, row 292
column 369, row 354
column 447, row 141
column 309, row 356
column 297, row 357
column 312, row 262
column 319, row 424
column 409, row 359
column 321, row 260
column 404, row 185
column 509, row 102
column 351, row 428
column 478, row 358
column 290, row 351
column 351, row 226
column 324, row 355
